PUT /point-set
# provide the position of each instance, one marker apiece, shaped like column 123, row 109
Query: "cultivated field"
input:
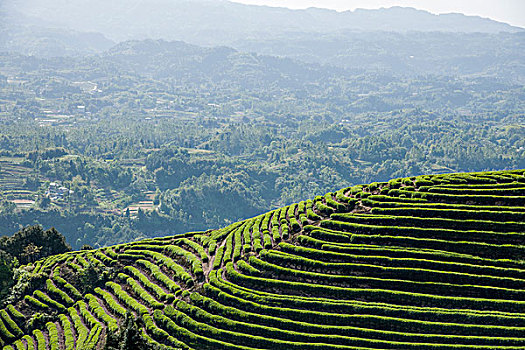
column 428, row 262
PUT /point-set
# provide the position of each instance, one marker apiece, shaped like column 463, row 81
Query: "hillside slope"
column 429, row 262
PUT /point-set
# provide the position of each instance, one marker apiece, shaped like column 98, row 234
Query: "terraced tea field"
column 429, row 262
column 12, row 174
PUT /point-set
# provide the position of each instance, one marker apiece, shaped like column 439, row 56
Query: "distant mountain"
column 190, row 63
column 38, row 37
column 220, row 22
column 304, row 58
column 395, row 40
column 501, row 54
column 51, row 42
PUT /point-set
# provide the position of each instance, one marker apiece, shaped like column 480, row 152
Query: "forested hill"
column 426, row 262
column 182, row 63
column 191, row 126
column 310, row 58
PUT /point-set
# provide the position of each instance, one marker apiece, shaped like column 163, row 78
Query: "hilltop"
column 426, row 262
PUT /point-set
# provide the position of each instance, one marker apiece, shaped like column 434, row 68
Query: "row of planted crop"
column 85, row 338
column 9, row 329
column 338, row 231
column 160, row 259
column 334, row 243
column 382, row 295
column 202, row 328
column 132, row 304
column 451, row 213
column 394, row 269
column 476, row 199
column 328, row 309
column 453, row 287
column 486, row 231
column 402, row 258
column 255, row 234
column 26, row 342
column 512, row 183
column 383, row 201
column 465, row 178
column 208, row 311
column 467, row 190
column 368, row 317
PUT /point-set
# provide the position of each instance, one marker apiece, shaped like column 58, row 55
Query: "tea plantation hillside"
column 428, row 262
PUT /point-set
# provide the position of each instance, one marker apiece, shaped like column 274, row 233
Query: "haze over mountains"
column 216, row 22
column 397, row 40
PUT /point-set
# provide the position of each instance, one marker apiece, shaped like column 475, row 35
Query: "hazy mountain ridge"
column 414, row 53
column 52, row 42
column 451, row 54
column 404, row 53
column 223, row 22
column 395, row 40
column 162, row 58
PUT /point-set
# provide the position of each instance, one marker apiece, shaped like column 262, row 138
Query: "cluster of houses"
column 57, row 192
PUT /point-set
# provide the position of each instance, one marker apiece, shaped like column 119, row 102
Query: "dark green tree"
column 33, row 243
column 7, row 265
column 128, row 337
